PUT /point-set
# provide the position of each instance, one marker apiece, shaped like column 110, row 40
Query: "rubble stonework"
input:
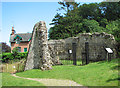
column 97, row 44
column 38, row 55
column 43, row 53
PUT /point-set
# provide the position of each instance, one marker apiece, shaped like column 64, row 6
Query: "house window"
column 19, row 49
column 25, row 49
column 17, row 41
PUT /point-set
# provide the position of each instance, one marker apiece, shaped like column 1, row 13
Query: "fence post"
column 2, row 68
column 18, row 67
column 7, row 68
column 74, row 53
column 87, row 52
column 109, row 56
column 83, row 58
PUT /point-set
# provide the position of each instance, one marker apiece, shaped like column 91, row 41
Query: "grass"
column 8, row 80
column 101, row 73
column 70, row 62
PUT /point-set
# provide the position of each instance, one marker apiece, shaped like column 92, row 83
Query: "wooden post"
column 83, row 58
column 74, row 53
column 2, row 69
column 87, row 52
column 109, row 56
column 18, row 68
column 7, row 68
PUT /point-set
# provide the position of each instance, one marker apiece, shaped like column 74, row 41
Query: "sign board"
column 70, row 51
column 13, row 66
column 109, row 50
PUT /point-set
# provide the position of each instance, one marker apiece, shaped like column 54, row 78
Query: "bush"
column 118, row 54
column 15, row 52
column 23, row 54
column 10, row 56
column 6, row 57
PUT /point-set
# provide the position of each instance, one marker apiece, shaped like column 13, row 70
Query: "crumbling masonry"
column 38, row 55
column 43, row 53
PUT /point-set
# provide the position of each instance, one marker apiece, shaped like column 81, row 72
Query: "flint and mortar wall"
column 43, row 53
column 97, row 44
column 38, row 54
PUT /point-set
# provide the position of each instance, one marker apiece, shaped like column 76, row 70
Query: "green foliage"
column 119, row 54
column 110, row 10
column 91, row 26
column 91, row 17
column 23, row 54
column 15, row 52
column 68, row 6
column 7, row 56
column 10, row 56
column 90, row 11
column 114, row 28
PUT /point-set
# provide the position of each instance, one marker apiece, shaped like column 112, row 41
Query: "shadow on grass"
column 117, row 67
column 113, row 79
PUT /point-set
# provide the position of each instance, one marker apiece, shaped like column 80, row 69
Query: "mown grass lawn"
column 70, row 62
column 101, row 73
column 8, row 80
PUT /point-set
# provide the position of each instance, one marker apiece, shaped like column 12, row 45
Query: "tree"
column 91, row 26
column 68, row 5
column 89, row 11
column 114, row 28
column 5, row 47
column 56, row 32
column 15, row 52
column 64, row 26
column 91, row 17
column 110, row 10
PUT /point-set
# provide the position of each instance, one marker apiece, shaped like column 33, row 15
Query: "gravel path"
column 53, row 82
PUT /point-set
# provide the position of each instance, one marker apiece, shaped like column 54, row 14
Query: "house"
column 20, row 40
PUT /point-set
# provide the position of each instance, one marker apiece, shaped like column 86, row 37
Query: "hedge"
column 5, row 57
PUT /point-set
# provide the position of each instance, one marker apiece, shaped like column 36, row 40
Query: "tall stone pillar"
column 38, row 55
column 46, row 59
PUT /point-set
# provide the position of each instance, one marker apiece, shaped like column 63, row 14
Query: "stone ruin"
column 43, row 54
column 38, row 55
column 97, row 44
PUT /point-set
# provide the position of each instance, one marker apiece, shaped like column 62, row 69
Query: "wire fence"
column 12, row 68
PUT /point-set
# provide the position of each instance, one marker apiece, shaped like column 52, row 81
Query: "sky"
column 24, row 15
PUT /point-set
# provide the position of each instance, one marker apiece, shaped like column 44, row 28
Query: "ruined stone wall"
column 97, row 44
column 33, row 52
column 43, row 53
column 38, row 54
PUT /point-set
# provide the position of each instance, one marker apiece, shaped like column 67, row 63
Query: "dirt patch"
column 53, row 82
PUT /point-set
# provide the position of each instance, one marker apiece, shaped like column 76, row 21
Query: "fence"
column 74, row 54
column 12, row 68
column 66, row 53
column 95, row 52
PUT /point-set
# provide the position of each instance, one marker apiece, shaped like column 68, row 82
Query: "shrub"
column 119, row 54
column 0, row 57
column 10, row 56
column 15, row 52
column 23, row 54
column 7, row 56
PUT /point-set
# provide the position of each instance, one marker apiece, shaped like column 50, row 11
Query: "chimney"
column 13, row 31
